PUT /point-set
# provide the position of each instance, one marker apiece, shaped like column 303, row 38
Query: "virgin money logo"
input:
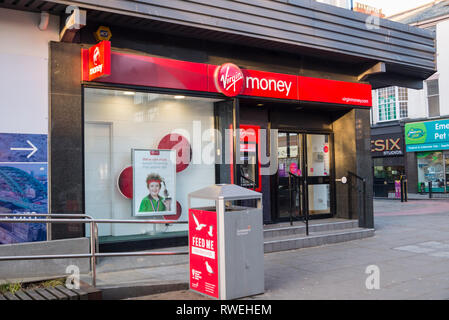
column 228, row 79
column 96, row 56
column 99, row 60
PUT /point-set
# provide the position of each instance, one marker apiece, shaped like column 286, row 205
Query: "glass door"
column 290, row 160
column 318, row 174
column 307, row 157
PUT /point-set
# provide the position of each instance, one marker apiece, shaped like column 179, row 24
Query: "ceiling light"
column 260, row 104
column 129, row 93
column 179, row 97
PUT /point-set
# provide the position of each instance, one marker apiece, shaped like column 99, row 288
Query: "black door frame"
column 304, row 196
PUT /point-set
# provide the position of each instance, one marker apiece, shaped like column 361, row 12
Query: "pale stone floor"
column 410, row 250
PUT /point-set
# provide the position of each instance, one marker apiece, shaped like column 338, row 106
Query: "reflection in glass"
column 430, row 168
column 319, row 199
column 290, row 161
column 318, row 155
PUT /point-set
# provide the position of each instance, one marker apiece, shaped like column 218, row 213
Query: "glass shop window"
column 163, row 126
column 430, row 168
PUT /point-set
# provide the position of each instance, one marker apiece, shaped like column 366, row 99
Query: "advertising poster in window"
column 154, row 179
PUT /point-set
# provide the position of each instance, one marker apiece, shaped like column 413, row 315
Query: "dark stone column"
column 364, row 164
column 411, row 170
column 345, row 159
column 66, row 137
column 352, row 143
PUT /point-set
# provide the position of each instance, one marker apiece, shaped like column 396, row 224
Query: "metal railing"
column 295, row 183
column 352, row 185
column 82, row 218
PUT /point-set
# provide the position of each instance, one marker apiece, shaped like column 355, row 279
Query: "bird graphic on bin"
column 210, row 232
column 199, row 226
column 209, row 268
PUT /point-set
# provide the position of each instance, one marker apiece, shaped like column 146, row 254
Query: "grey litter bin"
column 227, row 264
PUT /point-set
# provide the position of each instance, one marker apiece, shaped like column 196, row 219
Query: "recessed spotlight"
column 179, row 97
column 260, row 104
column 129, row 93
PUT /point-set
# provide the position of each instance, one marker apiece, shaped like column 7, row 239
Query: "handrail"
column 82, row 218
column 251, row 182
column 362, row 218
column 357, row 176
column 306, row 211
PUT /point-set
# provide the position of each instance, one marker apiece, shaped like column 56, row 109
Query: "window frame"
column 433, row 96
column 400, row 98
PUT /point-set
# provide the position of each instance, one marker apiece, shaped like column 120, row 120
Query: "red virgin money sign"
column 100, row 60
column 203, row 252
column 228, row 78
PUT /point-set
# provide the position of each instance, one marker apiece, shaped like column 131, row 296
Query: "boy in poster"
column 153, row 202
column 154, row 182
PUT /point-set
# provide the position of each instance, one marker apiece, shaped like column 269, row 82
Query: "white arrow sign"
column 33, row 149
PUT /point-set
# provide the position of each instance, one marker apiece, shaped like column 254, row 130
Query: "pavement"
column 420, row 196
column 409, row 253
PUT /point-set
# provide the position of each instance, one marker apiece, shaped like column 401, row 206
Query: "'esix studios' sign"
column 387, row 145
column 427, row 136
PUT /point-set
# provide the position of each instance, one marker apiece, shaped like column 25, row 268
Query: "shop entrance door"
column 306, row 157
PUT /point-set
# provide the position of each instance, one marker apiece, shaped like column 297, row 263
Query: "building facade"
column 301, row 98
column 24, row 59
column 405, row 109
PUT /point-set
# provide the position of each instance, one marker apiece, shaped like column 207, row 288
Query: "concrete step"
column 299, row 228
column 112, row 264
column 297, row 241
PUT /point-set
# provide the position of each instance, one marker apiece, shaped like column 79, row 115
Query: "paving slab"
column 409, row 248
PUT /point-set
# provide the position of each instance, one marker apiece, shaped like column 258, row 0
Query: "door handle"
column 343, row 180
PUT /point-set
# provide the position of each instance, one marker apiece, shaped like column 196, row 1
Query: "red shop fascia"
column 104, row 66
column 101, row 64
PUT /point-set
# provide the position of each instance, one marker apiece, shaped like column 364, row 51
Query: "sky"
column 390, row 7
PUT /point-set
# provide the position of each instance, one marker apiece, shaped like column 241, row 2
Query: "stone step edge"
column 322, row 234
column 312, row 235
column 313, row 227
column 323, row 239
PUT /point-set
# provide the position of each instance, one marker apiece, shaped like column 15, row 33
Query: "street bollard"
column 404, row 197
column 405, row 190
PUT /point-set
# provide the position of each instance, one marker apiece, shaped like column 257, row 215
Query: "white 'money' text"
column 270, row 85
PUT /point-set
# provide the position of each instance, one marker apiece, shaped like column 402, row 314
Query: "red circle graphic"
column 125, row 182
column 177, row 215
column 182, row 147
